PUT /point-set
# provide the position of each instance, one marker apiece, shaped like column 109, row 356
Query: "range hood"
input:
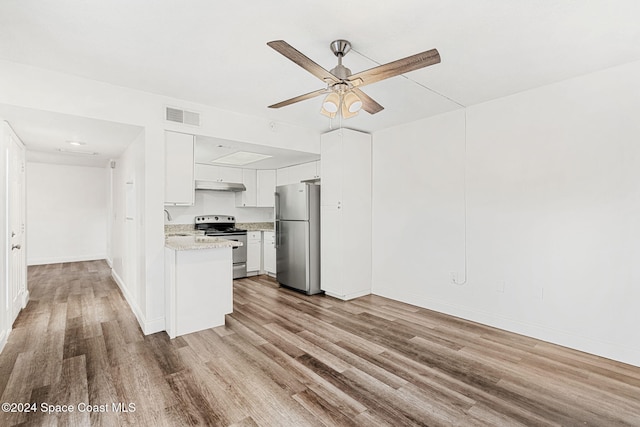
column 219, row 186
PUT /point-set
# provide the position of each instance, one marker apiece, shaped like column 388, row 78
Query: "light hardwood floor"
column 286, row 359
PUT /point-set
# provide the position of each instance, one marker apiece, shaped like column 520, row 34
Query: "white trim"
column 148, row 327
column 154, row 325
column 25, row 297
column 624, row 354
column 4, row 336
column 129, row 298
column 349, row 296
column 58, row 260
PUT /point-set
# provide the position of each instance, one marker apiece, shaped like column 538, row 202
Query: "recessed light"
column 240, row 158
column 76, row 143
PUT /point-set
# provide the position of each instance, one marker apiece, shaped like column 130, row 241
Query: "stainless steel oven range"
column 225, row 226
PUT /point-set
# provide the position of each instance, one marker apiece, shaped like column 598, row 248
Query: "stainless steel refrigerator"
column 298, row 237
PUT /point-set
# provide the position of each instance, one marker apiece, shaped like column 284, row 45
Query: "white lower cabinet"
column 254, row 252
column 269, row 252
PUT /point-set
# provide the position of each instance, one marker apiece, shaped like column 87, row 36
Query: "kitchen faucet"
column 168, row 215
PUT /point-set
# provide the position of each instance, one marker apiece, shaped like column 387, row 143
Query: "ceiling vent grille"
column 182, row 116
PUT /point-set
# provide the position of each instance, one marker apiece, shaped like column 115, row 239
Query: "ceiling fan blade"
column 368, row 104
column 300, row 98
column 395, row 68
column 303, row 61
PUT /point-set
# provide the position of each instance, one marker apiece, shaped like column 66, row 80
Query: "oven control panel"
column 212, row 219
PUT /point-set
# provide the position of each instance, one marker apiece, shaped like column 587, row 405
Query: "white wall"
column 127, row 213
column 66, row 213
column 552, row 213
column 217, row 202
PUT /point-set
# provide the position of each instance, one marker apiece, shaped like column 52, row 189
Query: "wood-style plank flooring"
column 286, row 359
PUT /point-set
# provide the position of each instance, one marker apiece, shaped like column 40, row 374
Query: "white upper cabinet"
column 178, row 183
column 266, row 183
column 295, row 174
column 248, row 197
column 217, row 173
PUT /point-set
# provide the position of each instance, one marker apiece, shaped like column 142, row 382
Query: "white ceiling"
column 215, row 53
column 208, row 149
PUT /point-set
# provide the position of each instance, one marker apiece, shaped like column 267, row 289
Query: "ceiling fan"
column 343, row 88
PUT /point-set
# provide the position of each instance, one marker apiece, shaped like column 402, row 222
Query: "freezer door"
column 292, row 202
column 292, row 254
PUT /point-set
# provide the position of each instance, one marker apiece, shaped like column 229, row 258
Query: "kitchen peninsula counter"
column 197, row 242
column 198, row 282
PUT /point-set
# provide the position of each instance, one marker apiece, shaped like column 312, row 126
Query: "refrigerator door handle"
column 277, row 204
column 277, row 242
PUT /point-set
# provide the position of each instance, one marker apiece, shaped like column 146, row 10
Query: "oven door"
column 239, row 254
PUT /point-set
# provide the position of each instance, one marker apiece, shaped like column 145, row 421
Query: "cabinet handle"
column 15, row 247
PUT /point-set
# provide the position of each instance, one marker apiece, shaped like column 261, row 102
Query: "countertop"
column 170, row 229
column 191, row 242
column 183, row 237
column 255, row 226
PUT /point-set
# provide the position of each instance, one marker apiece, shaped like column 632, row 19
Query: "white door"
column 17, row 259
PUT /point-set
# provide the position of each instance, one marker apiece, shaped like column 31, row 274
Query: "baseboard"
column 25, row 298
column 148, row 327
column 129, row 298
column 153, row 326
column 348, row 296
column 4, row 336
column 608, row 350
column 61, row 259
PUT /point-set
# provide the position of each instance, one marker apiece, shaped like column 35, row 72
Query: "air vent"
column 182, row 116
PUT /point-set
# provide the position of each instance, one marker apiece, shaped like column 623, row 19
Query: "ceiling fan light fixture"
column 328, row 114
column 346, row 113
column 331, row 103
column 352, row 102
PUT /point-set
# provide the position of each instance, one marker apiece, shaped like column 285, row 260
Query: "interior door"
column 17, row 259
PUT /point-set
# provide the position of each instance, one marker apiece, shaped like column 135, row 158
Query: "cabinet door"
column 178, row 184
column 217, row 173
column 332, row 169
column 206, row 172
column 303, row 172
column 318, row 167
column 254, row 251
column 332, row 252
column 247, row 198
column 230, row 174
column 282, row 176
column 269, row 251
column 266, row 182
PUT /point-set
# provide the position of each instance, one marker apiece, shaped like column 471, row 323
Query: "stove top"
column 221, row 231
column 217, row 225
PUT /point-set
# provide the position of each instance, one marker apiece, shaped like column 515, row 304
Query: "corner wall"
column 550, row 183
